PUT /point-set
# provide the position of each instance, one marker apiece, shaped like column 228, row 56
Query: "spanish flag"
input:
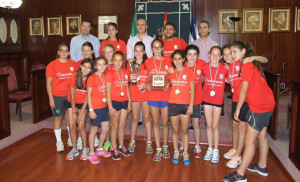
column 165, row 21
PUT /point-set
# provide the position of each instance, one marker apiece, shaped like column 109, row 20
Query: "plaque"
column 157, row 81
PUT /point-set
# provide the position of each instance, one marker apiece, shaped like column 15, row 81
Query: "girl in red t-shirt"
column 119, row 103
column 87, row 52
column 261, row 103
column 96, row 95
column 213, row 98
column 108, row 51
column 139, row 97
column 158, row 100
column 180, row 105
column 238, row 127
column 58, row 73
column 192, row 53
column 76, row 105
column 113, row 39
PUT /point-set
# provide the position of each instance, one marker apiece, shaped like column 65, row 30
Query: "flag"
column 133, row 31
column 192, row 28
column 165, row 21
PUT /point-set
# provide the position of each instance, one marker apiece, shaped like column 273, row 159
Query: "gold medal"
column 212, row 93
column 232, row 90
column 177, row 91
column 104, row 100
column 122, row 94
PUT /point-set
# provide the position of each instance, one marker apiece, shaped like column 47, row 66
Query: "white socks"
column 58, row 135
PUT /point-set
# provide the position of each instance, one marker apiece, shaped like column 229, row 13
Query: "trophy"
column 134, row 68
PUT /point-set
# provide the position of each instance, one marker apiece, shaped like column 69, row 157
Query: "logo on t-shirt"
column 221, row 76
column 118, row 46
column 184, row 77
column 175, row 47
column 237, row 67
column 72, row 68
column 167, row 67
column 198, row 72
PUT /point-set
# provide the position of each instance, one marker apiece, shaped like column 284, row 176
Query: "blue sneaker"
column 208, row 154
column 186, row 159
column 176, row 157
column 215, row 156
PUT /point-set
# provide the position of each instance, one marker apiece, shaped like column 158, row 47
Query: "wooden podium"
column 4, row 108
column 294, row 144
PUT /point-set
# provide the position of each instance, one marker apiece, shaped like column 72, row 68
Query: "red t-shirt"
column 219, row 85
column 119, row 45
column 187, row 76
column 80, row 94
column 60, row 72
column 198, row 82
column 135, row 93
column 77, row 65
column 259, row 97
column 115, row 78
column 98, row 91
column 235, row 80
column 171, row 46
column 150, row 67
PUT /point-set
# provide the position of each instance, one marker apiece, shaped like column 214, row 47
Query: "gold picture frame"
column 54, row 25
column 36, row 27
column 279, row 19
column 73, row 24
column 253, row 20
column 297, row 19
column 225, row 24
column 103, row 21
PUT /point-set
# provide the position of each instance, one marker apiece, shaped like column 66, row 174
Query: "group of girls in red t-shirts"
column 106, row 90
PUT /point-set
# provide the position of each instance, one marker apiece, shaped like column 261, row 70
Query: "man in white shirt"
column 141, row 26
column 85, row 36
column 204, row 43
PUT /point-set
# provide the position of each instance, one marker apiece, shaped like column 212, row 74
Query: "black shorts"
column 243, row 112
column 120, row 105
column 259, row 120
column 78, row 106
column 176, row 109
column 196, row 111
column 102, row 116
column 60, row 106
column 206, row 103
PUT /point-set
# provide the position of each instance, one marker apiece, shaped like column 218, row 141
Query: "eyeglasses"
column 64, row 50
column 157, row 48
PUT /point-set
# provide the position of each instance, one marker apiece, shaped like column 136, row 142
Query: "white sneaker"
column 208, row 154
column 234, row 162
column 60, row 146
column 79, row 143
column 84, row 154
column 96, row 141
column 229, row 154
column 215, row 156
column 70, row 143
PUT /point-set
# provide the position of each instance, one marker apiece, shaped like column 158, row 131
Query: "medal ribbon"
column 213, row 84
column 178, row 79
column 159, row 65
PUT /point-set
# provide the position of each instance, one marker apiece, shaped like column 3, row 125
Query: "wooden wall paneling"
column 40, row 102
column 4, row 108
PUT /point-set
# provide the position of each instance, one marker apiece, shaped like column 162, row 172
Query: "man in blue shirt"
column 85, row 36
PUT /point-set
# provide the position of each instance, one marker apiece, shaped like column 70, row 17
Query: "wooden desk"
column 294, row 143
column 4, row 107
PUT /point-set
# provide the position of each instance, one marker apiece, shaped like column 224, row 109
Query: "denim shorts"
column 159, row 104
column 120, row 105
column 102, row 116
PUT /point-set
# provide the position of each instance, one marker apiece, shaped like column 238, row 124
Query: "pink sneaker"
column 102, row 152
column 93, row 158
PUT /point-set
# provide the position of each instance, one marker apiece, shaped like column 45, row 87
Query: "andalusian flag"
column 165, row 21
column 133, row 31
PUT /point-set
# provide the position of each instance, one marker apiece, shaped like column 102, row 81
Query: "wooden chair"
column 38, row 66
column 14, row 94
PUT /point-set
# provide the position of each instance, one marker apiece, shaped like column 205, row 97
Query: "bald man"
column 141, row 26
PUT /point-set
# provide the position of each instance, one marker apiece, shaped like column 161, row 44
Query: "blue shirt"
column 76, row 44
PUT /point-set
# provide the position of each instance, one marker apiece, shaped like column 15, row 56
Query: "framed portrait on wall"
column 73, row 25
column 279, row 19
column 54, row 26
column 297, row 19
column 103, row 21
column 36, row 26
column 253, row 20
column 226, row 25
